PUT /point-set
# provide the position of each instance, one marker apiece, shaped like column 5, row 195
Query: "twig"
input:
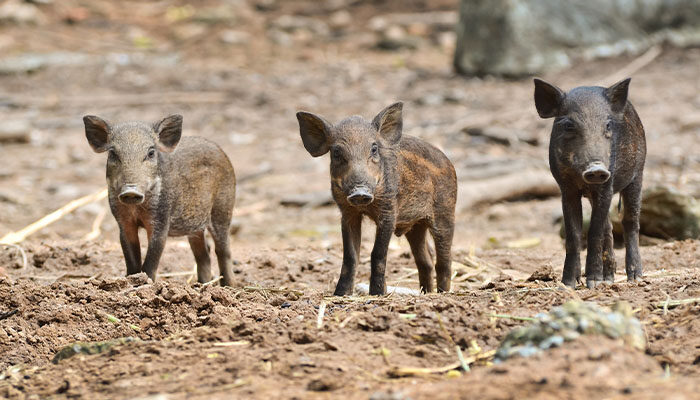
column 18, row 236
column 95, row 231
column 668, row 299
column 211, row 282
column 8, row 314
column 179, row 273
column 537, row 289
column 444, row 330
column 460, row 356
column 111, row 318
column 321, row 312
column 634, row 66
column 346, row 320
column 512, row 317
column 194, row 272
column 400, row 372
column 570, row 291
column 21, row 252
column 675, row 303
column 230, row 344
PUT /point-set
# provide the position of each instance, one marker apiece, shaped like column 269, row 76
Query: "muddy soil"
column 238, row 75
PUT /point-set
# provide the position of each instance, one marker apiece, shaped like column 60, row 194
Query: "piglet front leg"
column 377, row 280
column 351, row 226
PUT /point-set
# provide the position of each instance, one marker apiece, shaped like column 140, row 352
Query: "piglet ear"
column 97, row 132
column 617, row 95
column 548, row 99
column 169, row 131
column 389, row 122
column 315, row 133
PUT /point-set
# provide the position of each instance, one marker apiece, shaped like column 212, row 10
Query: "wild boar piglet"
column 170, row 187
column 597, row 148
column 405, row 185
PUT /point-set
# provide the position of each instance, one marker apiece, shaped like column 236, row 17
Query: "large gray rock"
column 524, row 37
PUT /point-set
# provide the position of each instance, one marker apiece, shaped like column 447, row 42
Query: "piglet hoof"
column 593, row 283
column 570, row 283
column 634, row 277
column 343, row 290
column 377, row 289
column 226, row 282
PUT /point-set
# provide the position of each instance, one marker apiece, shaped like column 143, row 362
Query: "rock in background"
column 666, row 214
column 524, row 37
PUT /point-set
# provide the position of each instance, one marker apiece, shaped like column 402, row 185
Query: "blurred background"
column 238, row 70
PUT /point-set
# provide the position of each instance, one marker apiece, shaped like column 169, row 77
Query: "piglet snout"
column 131, row 195
column 360, row 196
column 596, row 173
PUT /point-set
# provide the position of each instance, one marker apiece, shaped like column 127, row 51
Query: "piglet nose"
column 360, row 196
column 131, row 195
column 596, row 173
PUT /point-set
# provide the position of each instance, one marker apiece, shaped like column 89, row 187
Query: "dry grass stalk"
column 675, row 303
column 633, row 67
column 231, row 344
column 21, row 252
column 211, row 282
column 515, row 317
column 179, row 273
column 19, row 236
column 95, row 231
column 321, row 312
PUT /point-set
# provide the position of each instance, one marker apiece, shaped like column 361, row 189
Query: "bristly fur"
column 596, row 127
column 413, row 187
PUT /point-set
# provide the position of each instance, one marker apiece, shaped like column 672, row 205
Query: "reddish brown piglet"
column 403, row 184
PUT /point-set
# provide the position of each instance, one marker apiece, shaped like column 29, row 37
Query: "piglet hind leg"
column 198, row 244
column 632, row 199
column 609, row 264
column 443, row 232
column 220, row 233
column 419, row 248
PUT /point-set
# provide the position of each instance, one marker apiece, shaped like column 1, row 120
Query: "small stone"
column 340, row 19
column 323, row 384
column 544, row 273
column 302, row 337
column 395, row 38
column 20, row 12
column 234, row 37
column 138, row 279
column 15, row 131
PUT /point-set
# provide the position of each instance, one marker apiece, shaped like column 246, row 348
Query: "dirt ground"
column 238, row 71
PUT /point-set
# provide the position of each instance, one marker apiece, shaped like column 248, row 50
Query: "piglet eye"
column 608, row 126
column 113, row 155
column 569, row 126
column 375, row 149
column 336, row 154
column 151, row 152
